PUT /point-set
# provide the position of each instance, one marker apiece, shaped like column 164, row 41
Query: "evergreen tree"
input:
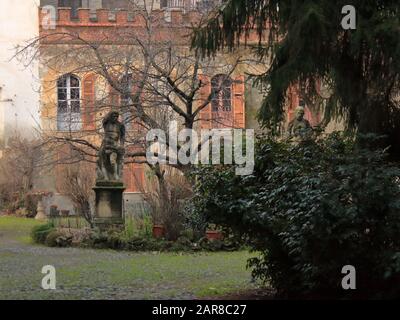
column 304, row 42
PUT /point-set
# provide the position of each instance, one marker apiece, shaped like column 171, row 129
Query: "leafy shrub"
column 146, row 229
column 227, row 244
column 106, row 240
column 138, row 226
column 118, row 241
column 195, row 221
column 58, row 239
column 310, row 209
column 211, row 245
column 182, row 244
column 40, row 233
column 145, row 244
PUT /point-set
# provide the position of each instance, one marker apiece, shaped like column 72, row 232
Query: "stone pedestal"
column 40, row 212
column 109, row 204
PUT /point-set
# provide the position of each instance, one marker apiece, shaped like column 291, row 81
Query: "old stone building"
column 93, row 35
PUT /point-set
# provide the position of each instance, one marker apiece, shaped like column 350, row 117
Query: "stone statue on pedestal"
column 299, row 128
column 109, row 187
column 111, row 154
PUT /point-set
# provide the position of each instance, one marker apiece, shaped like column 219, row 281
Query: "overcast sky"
column 18, row 24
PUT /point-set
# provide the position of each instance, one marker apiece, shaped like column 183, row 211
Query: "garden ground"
column 107, row 274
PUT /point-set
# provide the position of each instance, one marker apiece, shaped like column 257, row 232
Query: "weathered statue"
column 299, row 128
column 111, row 154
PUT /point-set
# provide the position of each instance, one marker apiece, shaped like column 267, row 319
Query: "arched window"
column 221, row 90
column 69, row 103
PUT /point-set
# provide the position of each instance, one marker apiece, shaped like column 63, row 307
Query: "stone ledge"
column 104, row 224
column 109, row 185
column 108, row 221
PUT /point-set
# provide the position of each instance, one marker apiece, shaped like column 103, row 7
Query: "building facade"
column 75, row 96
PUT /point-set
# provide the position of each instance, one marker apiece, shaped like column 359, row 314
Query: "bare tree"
column 147, row 72
column 77, row 181
column 166, row 197
column 22, row 161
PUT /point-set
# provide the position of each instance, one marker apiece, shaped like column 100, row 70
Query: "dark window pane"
column 62, row 94
column 228, row 83
column 214, row 99
column 62, row 107
column 227, row 98
column 164, row 3
column 74, row 82
column 75, row 107
column 62, row 82
column 227, row 105
column 221, row 93
column 226, row 93
column 75, row 93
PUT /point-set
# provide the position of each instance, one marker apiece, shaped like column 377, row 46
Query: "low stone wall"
column 133, row 203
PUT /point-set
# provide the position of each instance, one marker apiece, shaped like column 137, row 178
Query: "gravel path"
column 107, row 274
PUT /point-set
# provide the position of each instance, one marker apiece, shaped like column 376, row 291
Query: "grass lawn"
column 108, row 274
column 17, row 228
column 16, row 224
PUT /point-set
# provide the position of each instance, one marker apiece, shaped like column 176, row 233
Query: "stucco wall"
column 133, row 203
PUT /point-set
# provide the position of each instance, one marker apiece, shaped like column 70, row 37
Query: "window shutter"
column 88, row 102
column 238, row 102
column 204, row 93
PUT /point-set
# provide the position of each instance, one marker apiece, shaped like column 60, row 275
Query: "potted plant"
column 158, row 231
column 213, row 233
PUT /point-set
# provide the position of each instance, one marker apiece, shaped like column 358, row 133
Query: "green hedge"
column 105, row 240
column 52, row 237
column 310, row 209
column 58, row 239
column 40, row 233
